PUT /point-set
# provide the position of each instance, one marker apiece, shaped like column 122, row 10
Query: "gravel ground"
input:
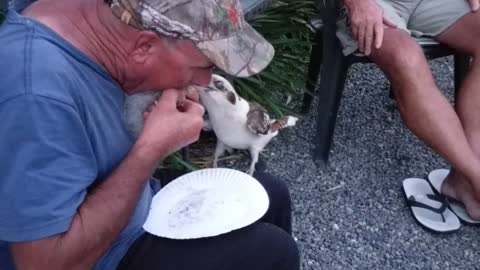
column 352, row 215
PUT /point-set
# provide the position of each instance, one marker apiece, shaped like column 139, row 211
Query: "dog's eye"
column 218, row 85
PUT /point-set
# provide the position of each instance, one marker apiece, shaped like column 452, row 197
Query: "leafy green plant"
column 285, row 24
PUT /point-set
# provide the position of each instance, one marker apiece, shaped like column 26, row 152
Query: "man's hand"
column 171, row 123
column 367, row 22
column 475, row 5
column 108, row 208
column 190, row 93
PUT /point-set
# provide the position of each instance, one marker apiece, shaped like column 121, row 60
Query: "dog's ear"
column 231, row 97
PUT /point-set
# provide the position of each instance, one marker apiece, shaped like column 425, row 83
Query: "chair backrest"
column 328, row 11
column 328, row 15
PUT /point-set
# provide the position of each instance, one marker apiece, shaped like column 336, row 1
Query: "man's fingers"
column 475, row 5
column 368, row 39
column 378, row 35
column 182, row 96
column 192, row 94
column 388, row 22
column 355, row 32
column 361, row 38
column 189, row 93
column 169, row 97
column 192, row 107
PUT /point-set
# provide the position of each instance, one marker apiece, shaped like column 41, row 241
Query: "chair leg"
column 462, row 65
column 332, row 82
column 313, row 72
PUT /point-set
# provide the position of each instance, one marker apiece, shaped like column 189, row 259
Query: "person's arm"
column 367, row 23
column 475, row 5
column 106, row 210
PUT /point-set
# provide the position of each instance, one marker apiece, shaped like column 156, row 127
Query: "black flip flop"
column 430, row 210
column 436, row 179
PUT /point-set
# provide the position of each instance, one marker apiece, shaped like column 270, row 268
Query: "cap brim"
column 245, row 54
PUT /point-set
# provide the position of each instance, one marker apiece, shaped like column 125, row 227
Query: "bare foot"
column 458, row 187
column 451, row 184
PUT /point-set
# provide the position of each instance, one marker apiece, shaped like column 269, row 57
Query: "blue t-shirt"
column 61, row 130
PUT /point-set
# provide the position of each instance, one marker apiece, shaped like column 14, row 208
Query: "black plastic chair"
column 327, row 52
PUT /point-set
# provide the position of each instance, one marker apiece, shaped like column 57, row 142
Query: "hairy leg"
column 426, row 112
column 464, row 35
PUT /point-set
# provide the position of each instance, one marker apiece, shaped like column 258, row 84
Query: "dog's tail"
column 284, row 122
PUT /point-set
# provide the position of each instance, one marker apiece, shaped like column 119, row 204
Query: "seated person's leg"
column 280, row 209
column 454, row 24
column 261, row 246
column 426, row 112
column 264, row 245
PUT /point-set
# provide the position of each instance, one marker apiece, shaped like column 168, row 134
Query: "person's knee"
column 273, row 185
column 406, row 60
column 400, row 55
column 278, row 246
column 291, row 258
column 277, row 190
column 409, row 59
column 280, row 204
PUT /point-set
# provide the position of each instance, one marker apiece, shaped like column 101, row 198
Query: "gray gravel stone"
column 352, row 215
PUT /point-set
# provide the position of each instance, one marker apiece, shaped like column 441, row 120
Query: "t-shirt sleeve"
column 46, row 165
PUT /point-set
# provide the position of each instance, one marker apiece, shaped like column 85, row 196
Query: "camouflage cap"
column 217, row 27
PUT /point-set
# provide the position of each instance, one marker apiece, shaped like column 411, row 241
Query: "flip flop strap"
column 414, row 203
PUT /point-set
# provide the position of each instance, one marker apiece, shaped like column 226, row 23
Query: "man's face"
column 171, row 64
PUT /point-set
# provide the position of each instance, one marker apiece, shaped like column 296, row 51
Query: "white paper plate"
column 206, row 203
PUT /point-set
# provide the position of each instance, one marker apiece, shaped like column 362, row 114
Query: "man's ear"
column 144, row 46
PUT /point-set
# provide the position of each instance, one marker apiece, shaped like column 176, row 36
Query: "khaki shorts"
column 419, row 18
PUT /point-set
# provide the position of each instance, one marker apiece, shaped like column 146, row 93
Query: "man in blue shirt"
column 74, row 184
